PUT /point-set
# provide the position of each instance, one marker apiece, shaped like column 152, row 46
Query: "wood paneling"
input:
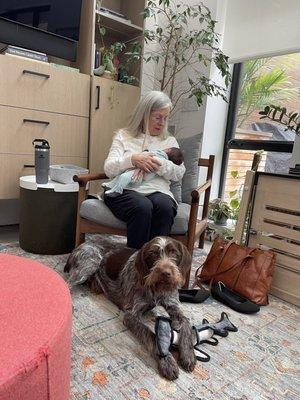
column 116, row 103
column 67, row 135
column 56, row 90
column 275, row 224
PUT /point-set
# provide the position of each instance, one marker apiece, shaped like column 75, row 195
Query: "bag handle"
column 226, row 248
column 235, row 264
column 211, row 255
column 221, row 248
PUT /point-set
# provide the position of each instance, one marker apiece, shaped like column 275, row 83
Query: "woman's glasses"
column 159, row 118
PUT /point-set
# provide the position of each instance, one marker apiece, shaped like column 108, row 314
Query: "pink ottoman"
column 35, row 331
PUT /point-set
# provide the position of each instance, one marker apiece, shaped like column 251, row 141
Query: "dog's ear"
column 140, row 264
column 186, row 259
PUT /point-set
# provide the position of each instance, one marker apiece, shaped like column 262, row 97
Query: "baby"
column 126, row 179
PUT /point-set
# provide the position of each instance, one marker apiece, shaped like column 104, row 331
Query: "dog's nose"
column 166, row 273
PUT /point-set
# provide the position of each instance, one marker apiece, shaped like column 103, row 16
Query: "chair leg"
column 190, row 248
column 187, row 279
column 201, row 240
column 80, row 238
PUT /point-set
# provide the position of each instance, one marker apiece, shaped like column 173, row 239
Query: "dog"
column 137, row 281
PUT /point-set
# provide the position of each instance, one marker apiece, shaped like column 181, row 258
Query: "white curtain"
column 261, row 28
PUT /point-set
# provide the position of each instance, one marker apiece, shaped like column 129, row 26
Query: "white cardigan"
column 119, row 160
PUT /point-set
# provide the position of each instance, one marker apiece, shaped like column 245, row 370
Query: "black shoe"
column 193, row 295
column 238, row 303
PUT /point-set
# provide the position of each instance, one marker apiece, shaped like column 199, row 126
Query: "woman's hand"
column 145, row 161
column 138, row 175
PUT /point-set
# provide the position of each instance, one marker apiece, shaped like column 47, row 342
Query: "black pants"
column 145, row 216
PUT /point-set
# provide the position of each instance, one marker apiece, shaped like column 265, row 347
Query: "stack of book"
column 97, row 58
column 115, row 14
column 295, row 170
column 20, row 52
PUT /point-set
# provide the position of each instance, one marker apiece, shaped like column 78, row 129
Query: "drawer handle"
column 98, row 97
column 27, row 71
column 36, row 121
column 28, row 166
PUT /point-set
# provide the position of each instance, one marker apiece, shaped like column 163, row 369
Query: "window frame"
column 243, row 144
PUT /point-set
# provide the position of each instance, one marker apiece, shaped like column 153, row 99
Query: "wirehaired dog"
column 137, row 281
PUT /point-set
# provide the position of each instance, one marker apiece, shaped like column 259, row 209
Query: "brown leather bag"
column 245, row 270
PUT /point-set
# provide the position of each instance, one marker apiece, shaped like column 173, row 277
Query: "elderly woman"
column 148, row 209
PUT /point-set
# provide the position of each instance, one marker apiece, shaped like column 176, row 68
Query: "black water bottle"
column 42, row 160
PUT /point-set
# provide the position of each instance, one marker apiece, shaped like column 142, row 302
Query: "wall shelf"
column 116, row 24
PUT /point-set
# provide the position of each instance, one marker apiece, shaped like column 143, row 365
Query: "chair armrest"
column 199, row 190
column 84, row 179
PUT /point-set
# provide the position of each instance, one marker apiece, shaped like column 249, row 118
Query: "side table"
column 47, row 216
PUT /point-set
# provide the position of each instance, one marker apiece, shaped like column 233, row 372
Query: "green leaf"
column 102, row 30
column 233, row 193
column 234, row 174
column 234, row 203
column 178, row 42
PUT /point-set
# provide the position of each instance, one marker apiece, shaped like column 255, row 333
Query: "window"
column 256, row 84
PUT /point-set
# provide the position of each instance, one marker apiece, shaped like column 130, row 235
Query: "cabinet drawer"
column 285, row 285
column 12, row 167
column 67, row 134
column 32, row 84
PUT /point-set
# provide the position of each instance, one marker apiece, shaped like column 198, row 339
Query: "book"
column 65, row 67
column 295, row 170
column 97, row 58
column 113, row 13
column 20, row 57
column 19, row 51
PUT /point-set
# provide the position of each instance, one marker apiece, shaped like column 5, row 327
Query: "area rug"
column 259, row 362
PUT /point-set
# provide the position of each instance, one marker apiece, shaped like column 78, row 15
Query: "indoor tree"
column 181, row 53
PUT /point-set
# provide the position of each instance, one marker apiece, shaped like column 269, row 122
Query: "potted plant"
column 185, row 44
column 112, row 65
column 219, row 211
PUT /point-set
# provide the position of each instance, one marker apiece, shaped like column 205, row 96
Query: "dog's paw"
column 188, row 360
column 168, row 367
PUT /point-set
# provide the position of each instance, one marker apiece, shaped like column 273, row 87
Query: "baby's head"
column 175, row 155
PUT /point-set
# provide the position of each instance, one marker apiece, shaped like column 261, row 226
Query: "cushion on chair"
column 96, row 211
column 191, row 147
column 176, row 189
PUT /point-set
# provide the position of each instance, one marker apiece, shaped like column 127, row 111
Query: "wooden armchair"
column 89, row 212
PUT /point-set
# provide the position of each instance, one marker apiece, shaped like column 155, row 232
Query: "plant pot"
column 221, row 221
column 108, row 75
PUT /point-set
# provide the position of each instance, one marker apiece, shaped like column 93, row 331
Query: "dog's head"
column 162, row 264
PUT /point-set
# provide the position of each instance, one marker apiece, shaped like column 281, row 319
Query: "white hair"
column 139, row 120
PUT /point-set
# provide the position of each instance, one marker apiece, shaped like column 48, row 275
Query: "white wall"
column 189, row 118
column 248, row 28
column 210, row 118
column 258, row 28
column 215, row 113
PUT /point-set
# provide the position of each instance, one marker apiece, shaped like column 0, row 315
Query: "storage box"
column 64, row 173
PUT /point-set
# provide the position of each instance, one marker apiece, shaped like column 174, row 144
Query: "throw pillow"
column 176, row 190
column 191, row 147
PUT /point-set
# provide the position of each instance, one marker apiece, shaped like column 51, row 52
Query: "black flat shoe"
column 233, row 300
column 193, row 295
